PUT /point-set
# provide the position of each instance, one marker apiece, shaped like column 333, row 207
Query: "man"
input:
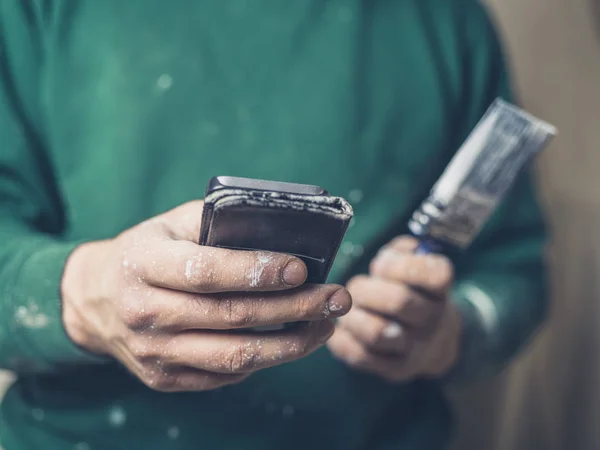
column 124, row 332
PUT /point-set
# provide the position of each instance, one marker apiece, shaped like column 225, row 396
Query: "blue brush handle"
column 428, row 246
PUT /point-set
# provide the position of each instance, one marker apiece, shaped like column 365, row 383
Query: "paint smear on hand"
column 255, row 273
column 189, row 269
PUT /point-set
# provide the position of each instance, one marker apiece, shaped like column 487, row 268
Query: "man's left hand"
column 403, row 324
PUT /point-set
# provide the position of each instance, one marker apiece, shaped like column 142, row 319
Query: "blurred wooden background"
column 550, row 399
column 5, row 379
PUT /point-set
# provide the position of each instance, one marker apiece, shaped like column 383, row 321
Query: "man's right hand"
column 172, row 311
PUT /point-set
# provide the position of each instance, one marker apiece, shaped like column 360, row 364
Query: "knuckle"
column 241, row 358
column 139, row 319
column 132, row 262
column 237, row 313
column 138, row 271
column 142, row 350
column 202, row 273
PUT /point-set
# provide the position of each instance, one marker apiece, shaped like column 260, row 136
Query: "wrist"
column 76, row 285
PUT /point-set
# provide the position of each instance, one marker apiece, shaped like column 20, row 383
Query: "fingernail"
column 339, row 303
column 392, row 331
column 294, row 274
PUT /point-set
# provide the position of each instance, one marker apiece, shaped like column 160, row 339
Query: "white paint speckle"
column 173, row 433
column 392, row 331
column 164, row 82
column 82, row 446
column 254, row 275
column 117, row 416
column 288, row 411
column 30, row 316
column 125, row 263
column 334, row 307
column 38, row 414
column 357, row 250
column 355, row 196
column 347, row 248
column 189, row 269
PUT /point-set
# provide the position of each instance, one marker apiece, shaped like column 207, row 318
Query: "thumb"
column 185, row 220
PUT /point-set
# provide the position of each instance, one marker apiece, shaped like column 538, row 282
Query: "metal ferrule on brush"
column 478, row 177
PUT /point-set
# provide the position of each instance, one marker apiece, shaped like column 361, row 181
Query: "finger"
column 403, row 244
column 175, row 311
column 376, row 333
column 189, row 379
column 345, row 347
column 189, row 267
column 434, row 273
column 243, row 353
column 394, row 300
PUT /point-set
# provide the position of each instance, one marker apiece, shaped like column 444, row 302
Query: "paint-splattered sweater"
column 113, row 111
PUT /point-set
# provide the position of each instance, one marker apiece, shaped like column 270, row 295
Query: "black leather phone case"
column 309, row 226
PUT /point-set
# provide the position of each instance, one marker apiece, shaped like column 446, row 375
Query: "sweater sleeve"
column 32, row 218
column 501, row 287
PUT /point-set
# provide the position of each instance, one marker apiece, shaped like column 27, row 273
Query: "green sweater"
column 113, row 111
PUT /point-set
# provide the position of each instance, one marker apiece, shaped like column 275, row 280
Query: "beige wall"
column 551, row 398
column 5, row 379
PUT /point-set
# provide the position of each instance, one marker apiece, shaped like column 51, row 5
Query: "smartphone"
column 296, row 219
